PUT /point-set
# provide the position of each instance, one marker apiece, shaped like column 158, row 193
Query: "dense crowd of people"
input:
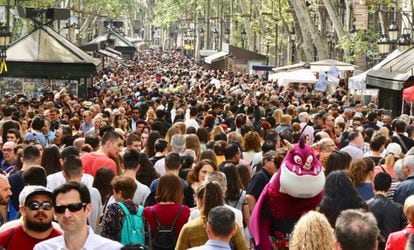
column 166, row 154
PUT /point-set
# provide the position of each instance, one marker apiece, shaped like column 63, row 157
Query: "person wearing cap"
column 72, row 203
column 36, row 208
column 261, row 178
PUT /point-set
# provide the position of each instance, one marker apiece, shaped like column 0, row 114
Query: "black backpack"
column 165, row 237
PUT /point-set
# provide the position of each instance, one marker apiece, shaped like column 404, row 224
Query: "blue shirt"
column 365, row 191
column 212, row 245
column 154, row 184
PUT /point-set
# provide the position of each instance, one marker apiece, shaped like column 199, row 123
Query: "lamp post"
column 393, row 32
column 330, row 38
column 215, row 37
column 201, row 31
column 5, row 35
column 243, row 37
column 292, row 36
column 227, row 35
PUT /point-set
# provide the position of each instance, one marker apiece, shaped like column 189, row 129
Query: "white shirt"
column 93, row 242
column 192, row 123
column 195, row 213
column 57, row 179
column 140, row 194
column 160, row 166
column 96, row 210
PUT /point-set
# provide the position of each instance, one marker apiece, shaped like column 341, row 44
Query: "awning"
column 386, row 80
column 290, row 67
column 297, row 76
column 262, row 68
column 216, row 57
column 113, row 51
column 325, row 65
column 107, row 53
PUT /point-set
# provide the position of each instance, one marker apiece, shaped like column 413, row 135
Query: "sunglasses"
column 35, row 205
column 74, row 207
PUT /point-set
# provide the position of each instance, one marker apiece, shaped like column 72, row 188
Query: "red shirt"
column 398, row 240
column 91, row 162
column 16, row 238
column 165, row 214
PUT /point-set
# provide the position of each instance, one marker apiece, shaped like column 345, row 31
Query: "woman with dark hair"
column 337, row 160
column 149, row 147
column 203, row 136
column 50, row 159
column 169, row 197
column 195, row 178
column 235, row 195
column 244, row 175
column 361, row 173
column 102, row 182
column 209, row 154
column 208, row 122
column 146, row 173
column 339, row 195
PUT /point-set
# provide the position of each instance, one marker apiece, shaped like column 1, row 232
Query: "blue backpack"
column 133, row 229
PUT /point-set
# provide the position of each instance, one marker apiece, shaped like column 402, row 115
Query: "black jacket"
column 389, row 214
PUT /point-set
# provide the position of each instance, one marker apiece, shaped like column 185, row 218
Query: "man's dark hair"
column 131, row 138
column 230, row 150
column 131, row 159
column 35, row 175
column 172, row 161
column 7, row 111
column 377, row 141
column 71, row 150
column 160, row 145
column 356, row 230
column 38, row 123
column 353, row 135
column 268, row 145
column 110, row 136
column 221, row 220
column 193, row 111
column 83, row 191
column 93, row 140
column 31, row 153
column 72, row 166
column 382, row 182
column 400, row 126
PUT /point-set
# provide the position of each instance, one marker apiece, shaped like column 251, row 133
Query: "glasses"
column 35, row 205
column 74, row 207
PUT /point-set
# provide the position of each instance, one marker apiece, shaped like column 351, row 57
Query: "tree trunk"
column 302, row 43
column 244, row 5
column 338, row 27
column 308, row 28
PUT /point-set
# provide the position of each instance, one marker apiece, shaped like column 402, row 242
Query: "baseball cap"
column 31, row 190
column 394, row 148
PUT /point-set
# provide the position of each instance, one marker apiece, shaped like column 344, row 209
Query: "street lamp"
column 393, row 32
column 201, row 31
column 404, row 42
column 227, row 35
column 330, row 38
column 5, row 35
column 292, row 36
column 383, row 44
column 215, row 37
column 243, row 37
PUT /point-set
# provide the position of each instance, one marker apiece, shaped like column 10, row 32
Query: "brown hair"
column 211, row 196
column 124, row 184
column 169, row 188
column 192, row 176
column 359, row 170
column 252, row 141
column 192, row 142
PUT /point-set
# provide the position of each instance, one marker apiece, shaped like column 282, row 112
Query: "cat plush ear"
column 302, row 141
column 288, row 144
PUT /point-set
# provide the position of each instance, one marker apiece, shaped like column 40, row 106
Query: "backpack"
column 132, row 226
column 165, row 237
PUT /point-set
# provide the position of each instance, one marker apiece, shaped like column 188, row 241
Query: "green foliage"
column 358, row 43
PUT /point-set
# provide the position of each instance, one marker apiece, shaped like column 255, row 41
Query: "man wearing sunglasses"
column 36, row 208
column 72, row 207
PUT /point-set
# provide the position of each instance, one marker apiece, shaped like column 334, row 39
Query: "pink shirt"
column 91, row 162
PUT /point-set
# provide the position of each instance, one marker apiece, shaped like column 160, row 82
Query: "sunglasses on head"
column 35, row 205
column 74, row 207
